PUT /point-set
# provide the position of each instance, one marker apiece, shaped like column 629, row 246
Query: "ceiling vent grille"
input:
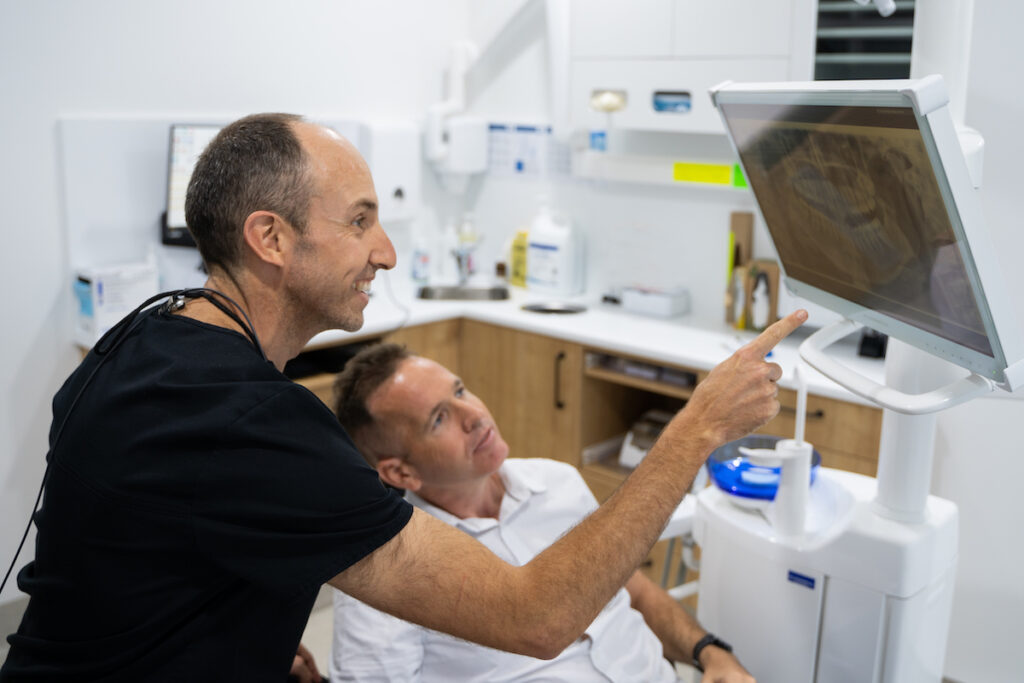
column 855, row 42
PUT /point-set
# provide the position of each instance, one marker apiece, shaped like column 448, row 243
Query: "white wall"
column 979, row 446
column 354, row 58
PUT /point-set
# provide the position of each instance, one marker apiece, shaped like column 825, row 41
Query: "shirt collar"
column 519, row 486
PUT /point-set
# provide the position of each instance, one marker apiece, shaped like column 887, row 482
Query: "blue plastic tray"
column 733, row 473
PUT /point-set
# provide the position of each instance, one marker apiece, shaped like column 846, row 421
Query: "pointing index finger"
column 777, row 331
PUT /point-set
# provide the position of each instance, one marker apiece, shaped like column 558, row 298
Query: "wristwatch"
column 709, row 639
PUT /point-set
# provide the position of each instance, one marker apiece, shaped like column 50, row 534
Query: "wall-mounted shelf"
column 659, row 170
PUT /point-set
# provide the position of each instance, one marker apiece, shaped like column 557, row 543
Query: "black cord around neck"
column 177, row 302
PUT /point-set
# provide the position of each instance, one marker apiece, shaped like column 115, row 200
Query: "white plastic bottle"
column 554, row 255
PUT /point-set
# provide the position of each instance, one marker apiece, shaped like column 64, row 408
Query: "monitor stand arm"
column 907, row 445
column 957, row 391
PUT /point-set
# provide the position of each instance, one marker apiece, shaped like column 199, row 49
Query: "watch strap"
column 708, row 639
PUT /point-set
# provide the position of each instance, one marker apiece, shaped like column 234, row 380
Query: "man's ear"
column 398, row 473
column 267, row 236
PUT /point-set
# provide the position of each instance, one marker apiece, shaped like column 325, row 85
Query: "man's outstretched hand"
column 739, row 395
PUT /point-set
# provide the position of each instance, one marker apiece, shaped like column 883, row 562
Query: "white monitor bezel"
column 927, row 97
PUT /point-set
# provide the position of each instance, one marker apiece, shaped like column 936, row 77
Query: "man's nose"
column 382, row 255
column 471, row 414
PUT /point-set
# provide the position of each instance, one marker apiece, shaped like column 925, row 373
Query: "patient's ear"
column 398, row 473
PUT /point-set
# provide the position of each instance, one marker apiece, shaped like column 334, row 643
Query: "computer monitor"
column 187, row 142
column 865, row 191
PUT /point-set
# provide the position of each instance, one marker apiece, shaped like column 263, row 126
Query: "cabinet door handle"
column 559, row 357
column 812, row 414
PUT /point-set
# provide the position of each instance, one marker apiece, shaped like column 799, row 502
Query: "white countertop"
column 675, row 341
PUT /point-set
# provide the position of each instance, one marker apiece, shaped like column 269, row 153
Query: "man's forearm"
column 674, row 627
column 679, row 633
column 603, row 551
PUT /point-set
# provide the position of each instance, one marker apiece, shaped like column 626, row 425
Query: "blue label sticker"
column 805, row 581
column 83, row 291
column 598, row 141
column 672, row 102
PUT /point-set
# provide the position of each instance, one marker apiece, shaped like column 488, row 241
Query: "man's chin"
column 351, row 322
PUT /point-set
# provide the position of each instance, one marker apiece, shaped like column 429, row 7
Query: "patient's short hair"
column 363, row 375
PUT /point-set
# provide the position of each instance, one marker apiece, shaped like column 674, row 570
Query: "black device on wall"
column 187, row 142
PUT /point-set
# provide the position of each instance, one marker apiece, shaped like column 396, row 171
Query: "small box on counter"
column 661, row 303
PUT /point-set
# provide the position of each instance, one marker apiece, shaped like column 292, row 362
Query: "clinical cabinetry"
column 675, row 50
column 532, row 385
column 438, row 341
column 552, row 397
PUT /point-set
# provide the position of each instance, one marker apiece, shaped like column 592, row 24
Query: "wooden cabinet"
column 846, row 434
column 440, row 341
column 550, row 401
column 531, row 383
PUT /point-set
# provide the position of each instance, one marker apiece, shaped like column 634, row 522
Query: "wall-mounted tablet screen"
column 187, row 143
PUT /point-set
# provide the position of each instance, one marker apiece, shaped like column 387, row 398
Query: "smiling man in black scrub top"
column 197, row 499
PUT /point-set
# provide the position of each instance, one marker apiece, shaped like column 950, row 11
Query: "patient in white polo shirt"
column 424, row 432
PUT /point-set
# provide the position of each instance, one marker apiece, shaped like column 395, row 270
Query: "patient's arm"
column 437, row 576
column 679, row 632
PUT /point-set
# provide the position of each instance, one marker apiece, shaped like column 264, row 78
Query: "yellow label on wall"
column 716, row 174
column 709, row 174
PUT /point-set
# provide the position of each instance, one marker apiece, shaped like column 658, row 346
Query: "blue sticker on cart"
column 806, row 581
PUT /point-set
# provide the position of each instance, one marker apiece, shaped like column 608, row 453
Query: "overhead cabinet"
column 656, row 59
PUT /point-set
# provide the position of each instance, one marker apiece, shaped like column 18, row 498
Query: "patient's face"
column 446, row 432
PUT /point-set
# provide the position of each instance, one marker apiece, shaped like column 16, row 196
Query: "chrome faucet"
column 464, row 260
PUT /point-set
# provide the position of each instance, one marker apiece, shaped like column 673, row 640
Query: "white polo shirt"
column 543, row 500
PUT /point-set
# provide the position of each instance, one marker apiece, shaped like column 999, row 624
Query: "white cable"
column 406, row 313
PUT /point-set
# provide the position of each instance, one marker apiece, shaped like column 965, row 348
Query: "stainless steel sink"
column 464, row 293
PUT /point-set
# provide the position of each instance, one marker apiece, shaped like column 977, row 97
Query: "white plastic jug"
column 554, row 261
